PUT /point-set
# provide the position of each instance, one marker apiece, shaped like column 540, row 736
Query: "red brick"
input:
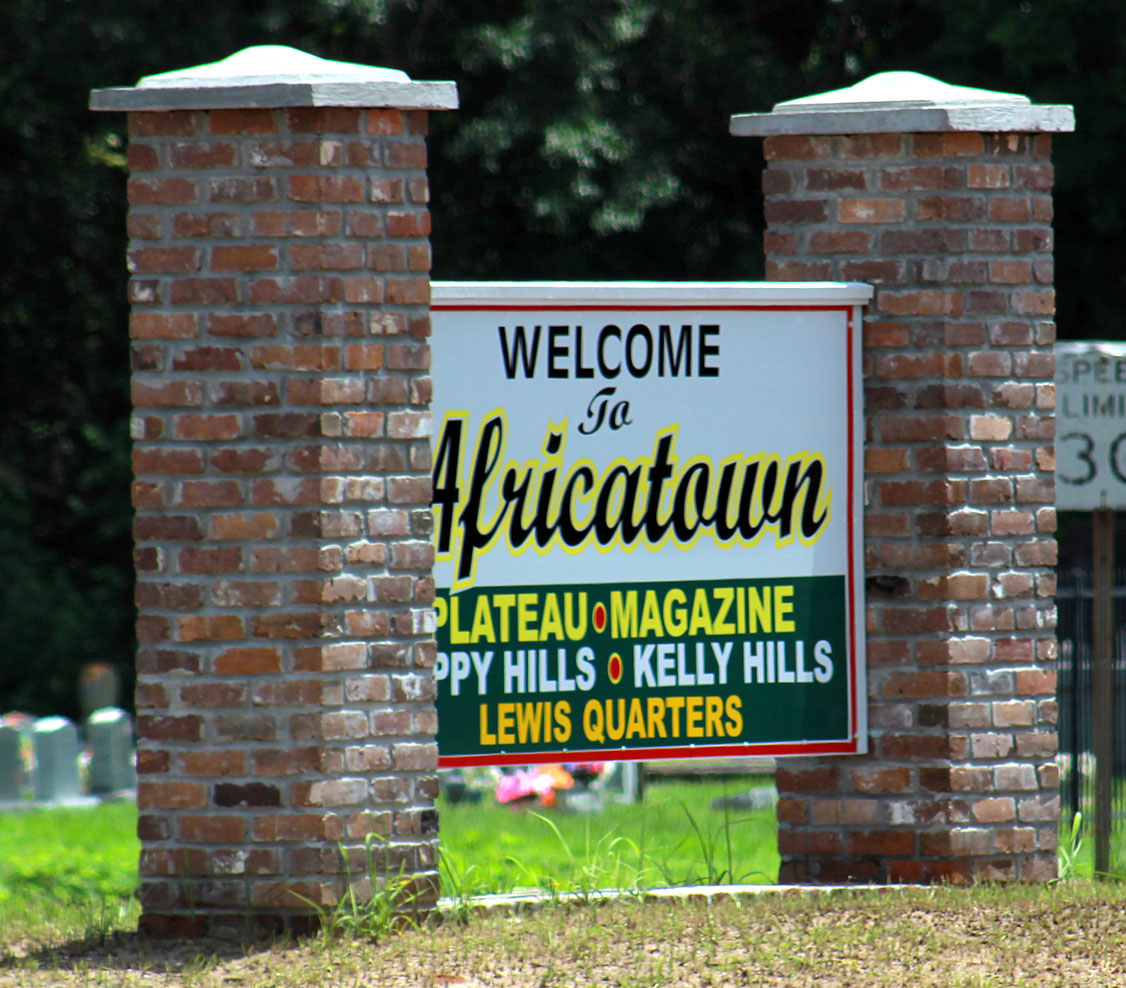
column 325, row 188
column 207, row 427
column 925, row 684
column 997, row 810
column 208, row 358
column 199, row 627
column 922, row 302
column 920, row 178
column 793, row 147
column 209, row 494
column 198, row 155
column 1009, row 209
column 324, row 120
column 166, row 528
column 240, row 189
column 838, row 242
column 298, row 289
column 164, row 260
column 263, row 525
column 884, row 843
column 161, row 191
column 218, row 559
column 175, row 123
column 163, row 460
column 239, row 325
column 245, row 257
column 296, row 223
column 808, row 780
column 251, row 660
column 168, row 393
column 871, row 210
column 950, row 209
column 226, row 829
column 241, row 121
column 205, row 291
column 412, row 224
column 214, row 696
column 987, row 176
column 948, row 145
column 328, row 256
column 152, row 794
column 880, row 780
column 785, row 211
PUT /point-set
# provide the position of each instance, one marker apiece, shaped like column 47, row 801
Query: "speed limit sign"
column 1090, row 425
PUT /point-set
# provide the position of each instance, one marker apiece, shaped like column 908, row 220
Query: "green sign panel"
column 648, row 669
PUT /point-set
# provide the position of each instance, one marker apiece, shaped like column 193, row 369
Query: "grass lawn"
column 79, row 858
column 674, row 838
column 1066, row 936
column 67, row 914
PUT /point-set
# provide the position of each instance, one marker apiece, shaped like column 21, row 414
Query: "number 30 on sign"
column 1090, row 425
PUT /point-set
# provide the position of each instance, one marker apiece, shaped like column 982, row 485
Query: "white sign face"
column 662, row 484
column 1090, row 425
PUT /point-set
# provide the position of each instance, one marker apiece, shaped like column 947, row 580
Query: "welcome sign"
column 647, row 515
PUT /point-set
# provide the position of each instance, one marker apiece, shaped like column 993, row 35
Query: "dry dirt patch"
column 1067, row 935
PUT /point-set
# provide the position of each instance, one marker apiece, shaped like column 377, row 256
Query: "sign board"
column 1090, row 425
column 647, row 514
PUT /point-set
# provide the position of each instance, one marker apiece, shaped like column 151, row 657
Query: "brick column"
column 939, row 196
column 280, row 256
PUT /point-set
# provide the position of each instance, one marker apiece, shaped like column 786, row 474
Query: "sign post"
column 648, row 521
column 1091, row 402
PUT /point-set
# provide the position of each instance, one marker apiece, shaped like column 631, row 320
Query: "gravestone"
column 97, row 688
column 11, row 771
column 54, row 742
column 109, row 732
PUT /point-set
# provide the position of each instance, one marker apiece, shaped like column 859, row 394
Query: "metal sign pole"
column 1102, row 533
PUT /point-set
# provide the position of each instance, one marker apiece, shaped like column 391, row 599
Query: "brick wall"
column 280, row 294
column 954, row 229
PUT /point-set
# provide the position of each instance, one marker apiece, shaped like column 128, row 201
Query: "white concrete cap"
column 905, row 102
column 277, row 76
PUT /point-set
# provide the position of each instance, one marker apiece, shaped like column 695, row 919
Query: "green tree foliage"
column 591, row 143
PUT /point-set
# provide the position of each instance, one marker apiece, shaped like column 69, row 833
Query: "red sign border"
column 851, row 746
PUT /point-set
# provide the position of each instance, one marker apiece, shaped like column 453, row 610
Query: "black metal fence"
column 1075, row 599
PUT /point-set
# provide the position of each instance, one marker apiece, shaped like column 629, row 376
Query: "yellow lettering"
column 486, row 737
column 576, row 616
column 635, row 728
column 676, row 620
column 656, row 716
column 457, row 635
column 623, row 614
column 783, row 606
column 483, row 621
column 503, row 603
column 506, row 713
column 593, row 725
column 616, row 730
column 674, row 704
column 721, row 625
column 526, row 615
column 552, row 626
column 701, row 622
column 650, row 617
column 713, row 717
column 692, row 717
column 758, row 608
column 529, row 720
column 562, row 722
column 734, row 708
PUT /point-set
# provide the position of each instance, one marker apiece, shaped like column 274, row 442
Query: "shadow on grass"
column 123, row 950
